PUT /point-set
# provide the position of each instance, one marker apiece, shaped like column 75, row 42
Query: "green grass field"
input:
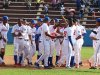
column 86, row 54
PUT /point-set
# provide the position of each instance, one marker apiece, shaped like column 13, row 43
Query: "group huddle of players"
column 66, row 39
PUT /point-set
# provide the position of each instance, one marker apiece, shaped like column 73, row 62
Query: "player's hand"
column 53, row 37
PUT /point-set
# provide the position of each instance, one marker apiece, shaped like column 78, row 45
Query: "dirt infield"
column 10, row 63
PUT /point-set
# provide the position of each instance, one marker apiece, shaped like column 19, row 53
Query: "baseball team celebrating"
column 49, row 36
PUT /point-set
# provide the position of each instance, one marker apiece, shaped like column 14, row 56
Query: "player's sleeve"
column 93, row 33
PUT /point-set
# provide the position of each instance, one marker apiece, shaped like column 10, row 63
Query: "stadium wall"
column 87, row 40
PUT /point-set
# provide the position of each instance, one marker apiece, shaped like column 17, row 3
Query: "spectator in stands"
column 82, row 10
column 86, row 2
column 54, row 2
column 83, row 6
column 99, row 5
column 58, row 4
column 91, row 10
column 78, row 4
column 67, row 10
column 95, row 2
column 14, row 0
column 6, row 4
column 46, row 8
column 38, row 4
column 62, row 9
column 28, row 3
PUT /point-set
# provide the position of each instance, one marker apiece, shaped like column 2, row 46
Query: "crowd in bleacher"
column 83, row 6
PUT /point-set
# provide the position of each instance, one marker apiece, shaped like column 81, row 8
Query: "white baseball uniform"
column 4, row 30
column 83, row 31
column 58, row 45
column 77, row 32
column 41, row 47
column 96, row 56
column 26, row 31
column 66, row 48
column 46, row 44
column 20, row 44
column 15, row 30
column 52, row 43
column 93, row 34
column 33, row 46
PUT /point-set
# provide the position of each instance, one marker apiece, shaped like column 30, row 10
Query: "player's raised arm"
column 64, row 19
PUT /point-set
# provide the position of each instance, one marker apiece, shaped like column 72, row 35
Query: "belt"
column 26, row 39
column 20, row 38
column 65, row 39
column 40, row 41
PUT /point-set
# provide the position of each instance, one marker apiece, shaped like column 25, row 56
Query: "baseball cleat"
column 36, row 65
column 30, row 63
column 80, row 64
column 68, row 67
column 47, row 67
column 52, row 66
column 92, row 67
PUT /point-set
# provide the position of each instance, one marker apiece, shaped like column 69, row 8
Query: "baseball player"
column 74, row 35
column 18, row 42
column 52, row 29
column 33, row 46
column 93, row 35
column 38, row 33
column 57, row 42
column 4, row 27
column 77, row 35
column 83, row 32
column 15, row 33
column 66, row 46
column 1, row 60
column 97, row 52
column 69, row 41
column 26, row 33
column 45, row 35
